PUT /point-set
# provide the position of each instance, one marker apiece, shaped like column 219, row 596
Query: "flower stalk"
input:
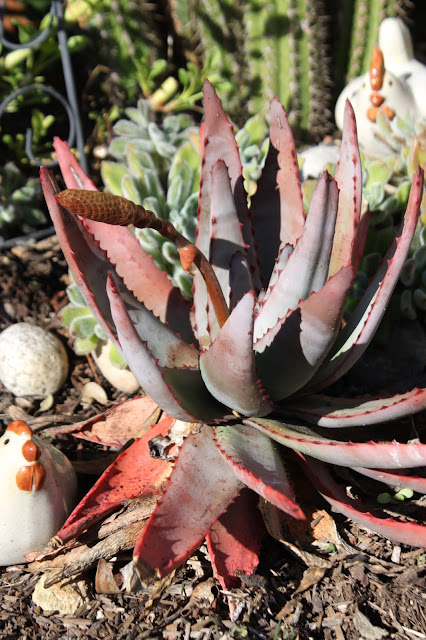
column 116, row 210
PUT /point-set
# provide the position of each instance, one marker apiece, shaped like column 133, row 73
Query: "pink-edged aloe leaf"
column 168, row 349
column 199, row 490
column 218, row 144
column 133, row 474
column 307, row 267
column 87, row 262
column 398, row 480
column 278, row 214
column 255, row 460
column 377, row 455
column 398, row 530
column 362, row 325
column 234, row 549
column 149, row 374
column 239, row 278
column 349, row 180
column 117, row 425
column 140, row 274
column 226, row 238
column 73, row 174
column 289, row 354
column 147, row 282
column 228, row 366
column 360, row 238
column 327, row 411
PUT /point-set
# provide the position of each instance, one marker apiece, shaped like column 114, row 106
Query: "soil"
column 359, row 585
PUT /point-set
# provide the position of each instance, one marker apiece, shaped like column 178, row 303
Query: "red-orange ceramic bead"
column 31, row 451
column 377, row 69
column 372, row 113
column 31, row 477
column 377, row 99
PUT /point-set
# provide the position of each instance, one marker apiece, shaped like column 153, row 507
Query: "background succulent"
column 157, row 166
column 245, row 371
column 20, row 206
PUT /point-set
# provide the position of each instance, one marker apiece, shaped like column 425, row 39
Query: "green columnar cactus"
column 274, row 48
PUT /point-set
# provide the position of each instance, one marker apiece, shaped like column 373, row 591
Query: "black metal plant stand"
column 75, row 135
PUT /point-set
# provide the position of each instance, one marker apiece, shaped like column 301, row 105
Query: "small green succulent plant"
column 244, row 371
column 20, row 209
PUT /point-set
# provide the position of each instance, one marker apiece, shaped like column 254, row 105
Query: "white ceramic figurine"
column 38, row 489
column 397, row 47
column 395, row 84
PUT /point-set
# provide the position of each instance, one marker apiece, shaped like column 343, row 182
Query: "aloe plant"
column 244, row 372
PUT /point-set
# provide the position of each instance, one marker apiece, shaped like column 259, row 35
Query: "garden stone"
column 33, row 362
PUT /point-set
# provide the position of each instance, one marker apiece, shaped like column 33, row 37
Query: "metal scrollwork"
column 70, row 104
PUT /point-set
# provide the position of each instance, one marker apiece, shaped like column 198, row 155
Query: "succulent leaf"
column 219, row 144
column 377, row 455
column 349, row 180
column 360, row 329
column 73, row 174
column 398, row 480
column 326, row 411
column 256, row 461
column 183, row 517
column 304, row 335
column 87, row 262
column 226, row 235
column 233, row 549
column 139, row 272
column 277, row 205
column 117, row 425
column 307, row 267
column 226, row 240
column 133, row 474
column 228, row 365
column 398, row 530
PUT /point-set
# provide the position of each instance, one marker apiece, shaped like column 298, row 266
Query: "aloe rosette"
column 244, row 369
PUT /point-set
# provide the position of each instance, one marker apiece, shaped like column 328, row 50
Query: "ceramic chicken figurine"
column 397, row 47
column 378, row 90
column 38, row 487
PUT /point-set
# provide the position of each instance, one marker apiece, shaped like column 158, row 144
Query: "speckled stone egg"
column 33, row 362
